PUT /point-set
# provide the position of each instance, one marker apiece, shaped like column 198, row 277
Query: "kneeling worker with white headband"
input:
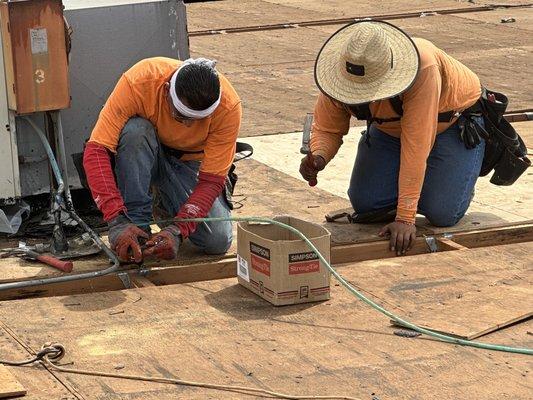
column 165, row 141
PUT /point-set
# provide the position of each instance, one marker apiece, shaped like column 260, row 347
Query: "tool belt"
column 505, row 151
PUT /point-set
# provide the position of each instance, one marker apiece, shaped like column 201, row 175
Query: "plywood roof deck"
column 273, row 70
column 219, row 332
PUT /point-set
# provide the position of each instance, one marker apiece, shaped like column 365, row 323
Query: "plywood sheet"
column 492, row 206
column 465, row 293
column 219, row 332
column 523, row 20
column 273, row 70
column 38, row 383
column 9, row 385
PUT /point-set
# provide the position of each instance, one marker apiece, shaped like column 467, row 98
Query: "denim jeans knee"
column 220, row 239
column 442, row 218
column 136, row 133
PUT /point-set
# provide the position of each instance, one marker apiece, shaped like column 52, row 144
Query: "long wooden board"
column 466, row 293
column 219, row 332
column 173, row 272
column 9, row 385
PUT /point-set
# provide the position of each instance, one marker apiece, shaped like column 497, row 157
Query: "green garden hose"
column 359, row 295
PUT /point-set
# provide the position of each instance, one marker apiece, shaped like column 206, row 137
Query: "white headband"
column 178, row 104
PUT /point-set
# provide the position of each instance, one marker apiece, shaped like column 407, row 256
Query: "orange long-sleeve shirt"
column 140, row 92
column 442, row 84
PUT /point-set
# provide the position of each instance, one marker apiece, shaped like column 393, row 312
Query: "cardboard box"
column 275, row 264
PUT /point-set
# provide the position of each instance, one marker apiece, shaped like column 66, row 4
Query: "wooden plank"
column 235, row 13
column 219, row 332
column 466, row 293
column 495, row 236
column 169, row 273
column 9, row 385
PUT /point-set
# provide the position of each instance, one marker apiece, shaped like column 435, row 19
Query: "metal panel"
column 106, row 42
column 9, row 177
column 38, row 78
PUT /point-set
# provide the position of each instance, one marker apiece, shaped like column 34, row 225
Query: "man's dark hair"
column 198, row 85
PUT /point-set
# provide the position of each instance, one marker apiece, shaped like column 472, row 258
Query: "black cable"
column 52, row 352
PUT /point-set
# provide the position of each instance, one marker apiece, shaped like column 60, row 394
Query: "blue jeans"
column 451, row 174
column 140, row 164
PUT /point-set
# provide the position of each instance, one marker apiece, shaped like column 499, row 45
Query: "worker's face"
column 187, row 121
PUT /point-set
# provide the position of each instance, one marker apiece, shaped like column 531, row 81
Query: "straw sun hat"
column 366, row 61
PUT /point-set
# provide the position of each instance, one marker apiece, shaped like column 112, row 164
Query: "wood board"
column 299, row 200
column 236, row 13
column 219, row 332
column 9, row 385
column 466, row 293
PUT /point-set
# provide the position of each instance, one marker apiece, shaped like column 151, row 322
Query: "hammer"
column 26, row 252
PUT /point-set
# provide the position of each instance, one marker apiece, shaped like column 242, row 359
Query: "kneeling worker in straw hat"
column 414, row 156
column 173, row 126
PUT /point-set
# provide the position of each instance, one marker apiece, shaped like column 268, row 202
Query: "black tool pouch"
column 242, row 151
column 505, row 151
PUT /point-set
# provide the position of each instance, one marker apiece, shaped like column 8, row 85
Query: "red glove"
column 165, row 244
column 310, row 166
column 124, row 238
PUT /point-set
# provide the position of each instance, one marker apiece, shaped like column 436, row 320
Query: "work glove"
column 165, row 244
column 125, row 237
column 310, row 166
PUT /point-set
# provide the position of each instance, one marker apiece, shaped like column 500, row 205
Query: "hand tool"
column 28, row 253
column 306, row 134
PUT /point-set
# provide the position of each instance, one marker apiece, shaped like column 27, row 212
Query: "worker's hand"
column 124, row 237
column 402, row 236
column 165, row 244
column 310, row 166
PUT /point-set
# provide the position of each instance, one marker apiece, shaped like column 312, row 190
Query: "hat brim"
column 332, row 82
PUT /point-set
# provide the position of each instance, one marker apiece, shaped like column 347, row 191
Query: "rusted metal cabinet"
column 35, row 56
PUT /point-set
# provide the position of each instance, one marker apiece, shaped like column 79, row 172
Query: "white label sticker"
column 242, row 268
column 39, row 41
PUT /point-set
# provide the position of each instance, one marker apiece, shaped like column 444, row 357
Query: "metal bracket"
column 125, row 278
column 431, row 242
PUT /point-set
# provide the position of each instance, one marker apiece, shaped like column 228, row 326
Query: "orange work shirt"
column 442, row 84
column 140, row 92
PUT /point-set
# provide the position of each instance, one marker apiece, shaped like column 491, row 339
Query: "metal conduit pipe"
column 70, row 209
column 62, row 156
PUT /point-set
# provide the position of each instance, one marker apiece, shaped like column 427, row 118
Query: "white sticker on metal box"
column 242, row 268
column 39, row 41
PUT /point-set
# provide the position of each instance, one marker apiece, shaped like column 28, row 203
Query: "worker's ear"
column 167, row 87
